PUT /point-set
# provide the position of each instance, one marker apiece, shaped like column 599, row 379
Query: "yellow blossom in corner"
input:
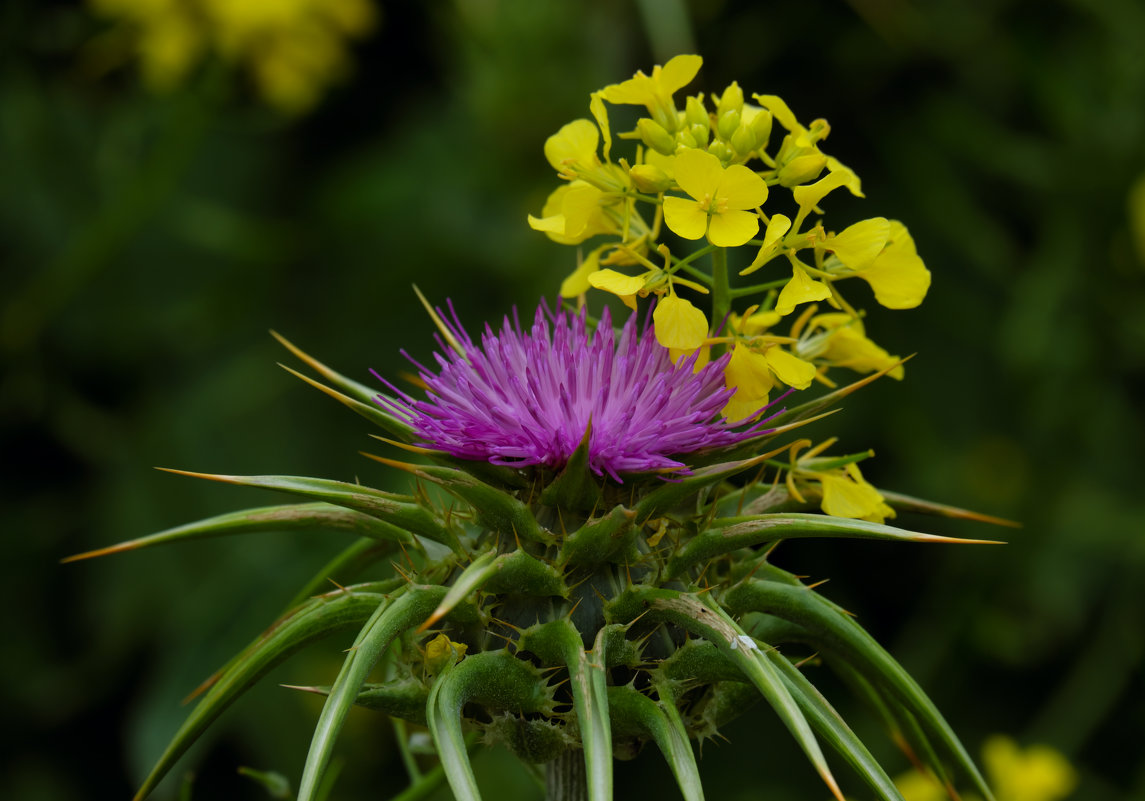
column 720, row 200
column 1039, row 773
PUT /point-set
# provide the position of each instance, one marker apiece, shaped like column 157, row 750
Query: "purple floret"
column 526, row 398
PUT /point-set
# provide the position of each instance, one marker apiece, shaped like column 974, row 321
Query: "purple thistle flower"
column 526, row 398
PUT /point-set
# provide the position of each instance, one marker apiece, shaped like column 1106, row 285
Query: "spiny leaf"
column 674, row 492
column 355, row 389
column 835, row 632
column 906, row 503
column 390, row 619
column 597, row 540
column 496, row 509
column 729, row 534
column 266, row 518
column 401, row 511
column 400, row 698
column 833, row 729
column 318, row 618
column 495, row 679
column 713, row 624
column 805, row 410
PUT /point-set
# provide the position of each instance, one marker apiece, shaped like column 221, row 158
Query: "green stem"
column 565, row 778
column 721, row 289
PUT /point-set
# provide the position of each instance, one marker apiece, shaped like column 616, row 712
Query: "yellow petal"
column 859, row 244
column 616, row 283
column 802, row 288
column 679, row 72
column 777, row 227
column 741, row 188
column 848, row 346
column 790, row 369
column 748, row 374
column 600, row 114
column 574, row 143
column 705, row 356
column 808, row 197
column 698, row 173
column 580, row 205
column 843, row 497
column 779, row 111
column 898, row 277
column 729, row 229
column 852, row 182
column 577, row 282
column 679, row 324
column 802, row 169
column 685, row 218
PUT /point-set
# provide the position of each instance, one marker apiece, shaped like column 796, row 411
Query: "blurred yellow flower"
column 293, row 49
column 753, row 373
column 839, row 340
column 1038, row 773
column 721, row 197
column 573, row 213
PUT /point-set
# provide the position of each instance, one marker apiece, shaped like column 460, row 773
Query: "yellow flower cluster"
column 293, row 49
column 703, row 174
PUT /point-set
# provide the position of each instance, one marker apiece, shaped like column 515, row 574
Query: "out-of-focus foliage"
column 150, row 239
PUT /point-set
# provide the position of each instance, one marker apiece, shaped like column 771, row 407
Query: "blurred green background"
column 151, row 238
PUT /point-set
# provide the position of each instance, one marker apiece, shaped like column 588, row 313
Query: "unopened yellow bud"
column 727, row 123
column 655, row 136
column 650, row 179
column 760, row 123
column 700, row 134
column 802, row 169
column 730, row 100
column 743, row 140
column 686, row 139
column 695, row 113
column 721, row 151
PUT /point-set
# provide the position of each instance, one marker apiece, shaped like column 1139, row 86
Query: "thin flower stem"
column 721, row 291
column 751, row 290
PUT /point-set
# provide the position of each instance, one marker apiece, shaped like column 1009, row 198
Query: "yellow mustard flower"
column 720, row 200
column 573, row 147
column 573, row 213
column 838, row 339
column 753, row 373
column 655, row 91
column 845, row 492
column 883, row 254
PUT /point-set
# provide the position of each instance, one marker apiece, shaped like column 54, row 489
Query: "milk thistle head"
column 522, row 398
column 583, row 562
